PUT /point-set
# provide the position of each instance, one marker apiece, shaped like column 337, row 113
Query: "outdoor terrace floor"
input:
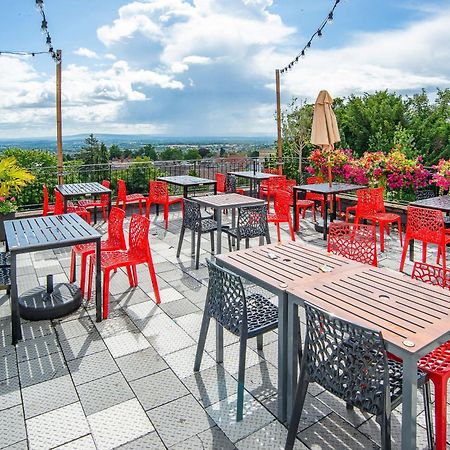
column 128, row 381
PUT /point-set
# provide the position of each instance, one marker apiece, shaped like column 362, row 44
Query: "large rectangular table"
column 325, row 189
column 274, row 267
column 186, row 182
column 45, row 233
column 255, row 179
column 412, row 316
column 69, row 191
column 226, row 201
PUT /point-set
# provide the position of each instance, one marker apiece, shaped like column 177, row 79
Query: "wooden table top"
column 412, row 315
column 79, row 189
column 186, row 180
column 222, row 201
column 40, row 233
column 280, row 265
column 442, row 203
column 254, row 175
column 324, row 188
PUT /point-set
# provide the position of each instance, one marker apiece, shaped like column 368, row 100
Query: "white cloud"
column 111, row 56
column 82, row 51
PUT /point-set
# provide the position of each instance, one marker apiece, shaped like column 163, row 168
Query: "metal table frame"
column 45, row 233
column 432, row 327
column 325, row 190
column 255, row 179
column 69, row 191
column 187, row 181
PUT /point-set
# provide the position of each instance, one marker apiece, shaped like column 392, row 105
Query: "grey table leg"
column 409, row 406
column 14, row 300
column 292, row 355
column 219, row 231
column 411, row 250
column 192, row 243
column 65, row 204
column 98, row 281
column 282, row 341
column 325, row 217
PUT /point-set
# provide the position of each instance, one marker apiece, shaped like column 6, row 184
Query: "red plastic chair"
column 103, row 203
column 353, row 241
column 47, row 208
column 437, row 363
column 426, row 225
column 159, row 195
column 282, row 205
column 319, row 197
column 274, row 184
column 263, row 186
column 370, row 206
column 115, row 241
column 220, row 179
column 59, row 208
column 123, row 198
column 138, row 253
column 302, row 205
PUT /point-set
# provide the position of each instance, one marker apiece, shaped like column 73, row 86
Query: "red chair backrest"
column 275, row 171
column 59, row 203
column 45, row 208
column 138, row 237
column 282, row 204
column 220, row 178
column 425, row 225
column 431, row 274
column 356, row 242
column 158, row 191
column 121, row 191
column 115, row 227
column 314, row 180
column 370, row 201
column 104, row 198
column 276, row 183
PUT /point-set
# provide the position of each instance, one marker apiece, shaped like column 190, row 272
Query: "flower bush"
column 401, row 176
column 8, row 205
column 442, row 175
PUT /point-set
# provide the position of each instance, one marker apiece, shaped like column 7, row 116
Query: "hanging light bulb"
column 319, row 33
column 303, row 54
column 39, row 4
column 330, row 17
column 44, row 26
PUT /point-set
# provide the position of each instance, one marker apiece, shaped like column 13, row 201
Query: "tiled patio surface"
column 128, row 382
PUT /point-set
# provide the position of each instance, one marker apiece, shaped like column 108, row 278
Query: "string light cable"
column 55, row 54
column 318, row 33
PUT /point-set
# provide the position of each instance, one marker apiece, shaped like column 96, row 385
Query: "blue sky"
column 206, row 67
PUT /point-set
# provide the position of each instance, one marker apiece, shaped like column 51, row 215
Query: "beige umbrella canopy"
column 324, row 131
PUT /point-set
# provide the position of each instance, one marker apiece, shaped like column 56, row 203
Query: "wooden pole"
column 280, row 154
column 59, row 119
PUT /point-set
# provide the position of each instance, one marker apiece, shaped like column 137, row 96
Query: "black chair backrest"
column 252, row 221
column 192, row 216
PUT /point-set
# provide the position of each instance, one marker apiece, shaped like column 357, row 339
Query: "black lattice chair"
column 231, row 185
column 193, row 220
column 350, row 361
column 5, row 259
column 423, row 194
column 5, row 278
column 251, row 223
column 246, row 316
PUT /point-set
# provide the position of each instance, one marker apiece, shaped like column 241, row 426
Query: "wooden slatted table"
column 226, row 201
column 325, row 189
column 255, row 179
column 69, row 191
column 186, row 181
column 44, row 233
column 274, row 267
column 412, row 316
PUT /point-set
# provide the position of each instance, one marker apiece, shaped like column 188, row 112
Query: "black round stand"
column 50, row 302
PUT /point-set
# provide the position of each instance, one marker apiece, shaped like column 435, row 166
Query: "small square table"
column 325, row 189
column 255, row 179
column 44, row 233
column 186, row 181
column 225, row 201
column 69, row 191
column 412, row 316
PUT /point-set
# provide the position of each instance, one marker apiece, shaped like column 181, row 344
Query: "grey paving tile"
column 178, row 420
column 48, row 395
column 211, row 439
column 224, row 414
column 57, row 427
column 125, row 343
column 42, row 369
column 92, row 367
column 103, row 393
column 38, row 347
column 157, row 389
column 150, row 441
column 262, row 380
column 33, row 330
column 140, row 364
column 22, row 445
column 113, row 326
column 211, row 385
column 74, row 328
column 12, row 426
column 167, row 295
column 179, row 308
column 132, row 297
column 270, row 437
column 82, row 346
column 119, row 424
column 8, row 366
column 10, row 393
column 83, row 443
column 182, row 361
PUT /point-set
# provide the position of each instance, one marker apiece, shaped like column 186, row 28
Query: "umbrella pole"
column 59, row 120
column 278, row 93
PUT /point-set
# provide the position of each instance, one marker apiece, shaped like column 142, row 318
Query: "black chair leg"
column 241, row 378
column 268, row 236
column 428, row 415
column 201, row 341
column 197, row 256
column 211, row 234
column 247, row 242
column 229, row 243
column 386, row 430
column 180, row 242
column 259, row 341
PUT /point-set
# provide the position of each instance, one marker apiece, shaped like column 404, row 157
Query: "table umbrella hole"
column 384, row 297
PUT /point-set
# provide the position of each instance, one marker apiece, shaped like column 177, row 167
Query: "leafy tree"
column 141, row 171
column 115, row 152
column 204, row 152
column 147, row 150
column 94, row 152
column 171, row 154
column 191, row 153
column 405, row 140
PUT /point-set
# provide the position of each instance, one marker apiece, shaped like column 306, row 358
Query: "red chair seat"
column 89, row 203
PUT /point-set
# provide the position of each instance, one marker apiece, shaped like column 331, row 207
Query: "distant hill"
column 74, row 143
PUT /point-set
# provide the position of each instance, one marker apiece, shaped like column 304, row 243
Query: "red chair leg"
column 104, row 214
column 91, row 272
column 278, row 231
column 444, row 257
column 405, row 249
column 399, row 225
column 314, row 212
column 73, row 261
column 440, row 411
column 130, row 276
column 382, row 236
column 83, row 273
column 424, row 252
column 151, row 269
column 147, row 209
column 166, row 215
column 106, row 277
column 135, row 276
column 291, row 229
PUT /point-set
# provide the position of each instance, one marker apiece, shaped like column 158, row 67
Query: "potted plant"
column 12, row 179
